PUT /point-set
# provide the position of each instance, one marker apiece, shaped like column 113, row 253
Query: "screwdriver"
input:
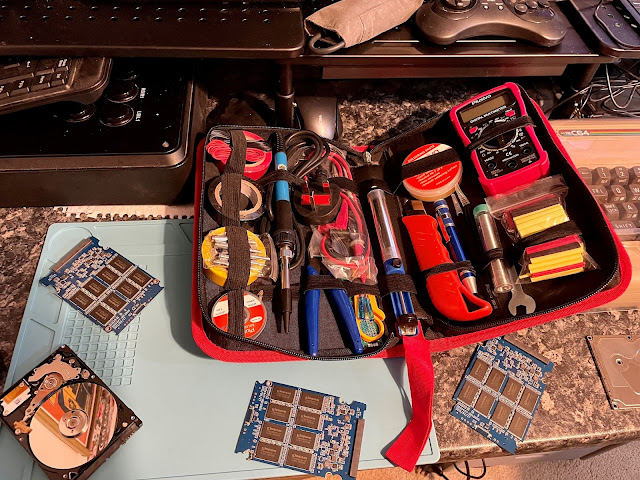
column 284, row 236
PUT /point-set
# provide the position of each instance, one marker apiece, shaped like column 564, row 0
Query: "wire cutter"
column 341, row 303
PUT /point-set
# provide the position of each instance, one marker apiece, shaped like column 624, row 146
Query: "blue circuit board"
column 500, row 391
column 303, row 430
column 102, row 284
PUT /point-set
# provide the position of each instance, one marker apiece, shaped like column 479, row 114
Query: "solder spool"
column 215, row 256
column 254, row 318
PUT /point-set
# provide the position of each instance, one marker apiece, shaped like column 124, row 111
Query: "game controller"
column 443, row 22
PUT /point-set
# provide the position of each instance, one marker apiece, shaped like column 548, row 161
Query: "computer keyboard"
column 618, row 192
column 30, row 82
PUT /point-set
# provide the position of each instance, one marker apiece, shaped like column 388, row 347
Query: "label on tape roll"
column 433, row 184
column 255, row 315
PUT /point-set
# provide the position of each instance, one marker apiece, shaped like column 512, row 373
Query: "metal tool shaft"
column 490, row 239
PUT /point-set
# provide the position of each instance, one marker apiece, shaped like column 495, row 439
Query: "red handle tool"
column 446, row 290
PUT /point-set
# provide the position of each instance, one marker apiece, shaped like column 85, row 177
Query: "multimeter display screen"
column 485, row 107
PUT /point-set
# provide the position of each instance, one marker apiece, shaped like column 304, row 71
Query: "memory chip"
column 120, row 264
column 139, row 277
column 114, row 301
column 311, row 400
column 468, row 393
column 298, row 459
column 495, row 379
column 501, row 414
column 268, row 452
column 101, row 314
column 128, row 290
column 484, row 403
column 278, row 412
column 273, row 431
column 308, row 419
column 94, row 287
column 528, row 400
column 518, row 424
column 107, row 276
column 283, row 394
column 303, row 439
column 512, row 389
column 81, row 299
column 479, row 370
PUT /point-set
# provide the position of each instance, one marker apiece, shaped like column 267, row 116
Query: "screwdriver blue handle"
column 342, row 303
column 311, row 310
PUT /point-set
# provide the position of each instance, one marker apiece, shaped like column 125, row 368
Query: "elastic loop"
column 448, row 267
column 429, row 162
column 501, row 129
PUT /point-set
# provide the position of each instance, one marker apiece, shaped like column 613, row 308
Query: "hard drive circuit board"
column 303, row 430
column 102, row 284
column 500, row 391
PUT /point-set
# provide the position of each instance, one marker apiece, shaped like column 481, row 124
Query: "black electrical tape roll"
column 249, row 191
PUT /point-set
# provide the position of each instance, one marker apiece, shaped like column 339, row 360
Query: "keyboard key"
column 59, row 78
column 617, row 194
column 46, row 65
column 41, row 82
column 585, row 173
column 620, row 176
column 600, row 193
column 63, row 64
column 625, row 229
column 4, row 90
column 634, row 175
column 602, row 176
column 629, row 211
column 20, row 87
column 633, row 193
column 612, row 211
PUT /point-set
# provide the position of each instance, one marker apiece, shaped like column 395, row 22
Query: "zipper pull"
column 367, row 158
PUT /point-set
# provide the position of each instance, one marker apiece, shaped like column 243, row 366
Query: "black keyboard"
column 617, row 190
column 30, row 82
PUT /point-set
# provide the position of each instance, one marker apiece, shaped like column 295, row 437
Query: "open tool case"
column 555, row 298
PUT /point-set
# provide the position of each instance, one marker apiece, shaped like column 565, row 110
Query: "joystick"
column 443, row 22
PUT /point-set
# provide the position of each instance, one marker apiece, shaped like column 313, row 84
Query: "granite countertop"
column 574, row 410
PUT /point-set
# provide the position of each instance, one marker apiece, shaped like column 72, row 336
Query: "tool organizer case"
column 555, row 298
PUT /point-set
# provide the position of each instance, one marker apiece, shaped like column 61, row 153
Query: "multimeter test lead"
column 453, row 242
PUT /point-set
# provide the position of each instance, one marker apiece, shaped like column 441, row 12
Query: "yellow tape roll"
column 218, row 273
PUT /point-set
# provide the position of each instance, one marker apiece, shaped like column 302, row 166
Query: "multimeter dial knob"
column 501, row 141
column 458, row 4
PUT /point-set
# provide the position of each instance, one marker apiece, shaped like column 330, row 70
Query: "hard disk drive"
column 66, row 418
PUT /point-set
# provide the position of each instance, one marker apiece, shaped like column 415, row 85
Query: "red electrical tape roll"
column 258, row 160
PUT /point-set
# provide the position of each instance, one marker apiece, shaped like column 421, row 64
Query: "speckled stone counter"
column 574, row 411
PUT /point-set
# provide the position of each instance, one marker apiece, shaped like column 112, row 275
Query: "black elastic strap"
column 239, row 259
column 447, row 267
column 552, row 233
column 491, row 255
column 239, row 268
column 322, row 282
column 430, row 162
column 501, row 129
column 345, row 184
column 354, row 289
column 276, row 175
column 396, row 283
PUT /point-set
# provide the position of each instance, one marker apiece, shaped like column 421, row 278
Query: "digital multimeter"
column 508, row 160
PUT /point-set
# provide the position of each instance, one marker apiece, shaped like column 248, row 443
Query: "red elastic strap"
column 408, row 447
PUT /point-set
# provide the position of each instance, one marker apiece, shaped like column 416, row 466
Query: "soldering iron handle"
column 311, row 310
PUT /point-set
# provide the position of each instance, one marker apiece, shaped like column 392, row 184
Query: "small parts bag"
column 237, row 307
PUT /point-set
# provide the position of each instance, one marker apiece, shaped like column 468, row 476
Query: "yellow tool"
column 367, row 310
